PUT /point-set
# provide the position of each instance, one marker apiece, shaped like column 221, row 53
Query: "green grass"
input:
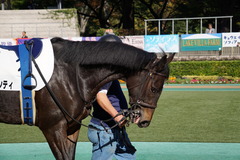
column 192, row 116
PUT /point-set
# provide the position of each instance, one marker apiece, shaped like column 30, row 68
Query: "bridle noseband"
column 139, row 102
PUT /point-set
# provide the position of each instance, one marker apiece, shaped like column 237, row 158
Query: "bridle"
column 149, row 76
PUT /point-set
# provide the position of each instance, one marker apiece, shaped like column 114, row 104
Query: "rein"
column 139, row 102
column 55, row 99
column 126, row 113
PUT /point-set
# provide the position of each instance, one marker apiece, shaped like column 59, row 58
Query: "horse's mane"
column 101, row 53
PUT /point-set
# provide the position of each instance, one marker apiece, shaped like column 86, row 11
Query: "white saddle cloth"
column 10, row 79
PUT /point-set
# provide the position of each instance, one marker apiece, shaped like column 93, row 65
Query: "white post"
column 231, row 24
column 159, row 27
column 59, row 4
column 201, row 25
column 172, row 26
column 2, row 6
column 145, row 27
column 216, row 25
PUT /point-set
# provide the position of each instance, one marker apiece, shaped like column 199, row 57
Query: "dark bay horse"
column 80, row 69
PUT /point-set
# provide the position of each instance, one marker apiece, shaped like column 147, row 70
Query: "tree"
column 101, row 10
column 127, row 14
column 156, row 9
column 209, row 8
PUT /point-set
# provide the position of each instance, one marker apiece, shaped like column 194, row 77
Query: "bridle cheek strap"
column 145, row 105
column 140, row 102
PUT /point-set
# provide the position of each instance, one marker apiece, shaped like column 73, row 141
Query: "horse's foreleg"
column 62, row 145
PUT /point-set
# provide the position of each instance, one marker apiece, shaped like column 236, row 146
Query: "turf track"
column 149, row 150
column 197, row 87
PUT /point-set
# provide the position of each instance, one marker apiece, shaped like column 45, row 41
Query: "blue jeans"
column 113, row 143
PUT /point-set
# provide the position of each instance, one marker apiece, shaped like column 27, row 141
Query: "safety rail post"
column 216, row 24
column 159, row 27
column 173, row 26
column 145, row 27
column 201, row 25
column 231, row 24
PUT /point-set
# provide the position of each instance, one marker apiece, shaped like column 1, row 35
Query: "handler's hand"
column 121, row 123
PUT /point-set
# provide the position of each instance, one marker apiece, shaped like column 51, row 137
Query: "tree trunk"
column 9, row 6
column 127, row 14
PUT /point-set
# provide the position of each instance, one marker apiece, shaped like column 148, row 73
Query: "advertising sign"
column 201, row 42
column 8, row 42
column 157, row 43
column 231, row 39
column 90, row 38
column 136, row 41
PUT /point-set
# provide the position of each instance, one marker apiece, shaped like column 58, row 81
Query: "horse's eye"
column 154, row 90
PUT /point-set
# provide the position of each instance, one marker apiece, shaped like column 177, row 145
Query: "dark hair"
column 110, row 38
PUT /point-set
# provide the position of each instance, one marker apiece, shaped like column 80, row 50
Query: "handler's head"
column 110, row 38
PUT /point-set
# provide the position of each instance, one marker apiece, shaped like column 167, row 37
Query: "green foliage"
column 205, row 68
column 19, row 4
column 101, row 32
column 62, row 14
column 65, row 15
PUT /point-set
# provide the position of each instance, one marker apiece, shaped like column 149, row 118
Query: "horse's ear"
column 159, row 64
column 170, row 58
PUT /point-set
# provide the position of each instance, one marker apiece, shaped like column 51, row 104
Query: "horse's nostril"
column 144, row 124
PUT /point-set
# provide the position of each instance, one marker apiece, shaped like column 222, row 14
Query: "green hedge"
column 205, row 68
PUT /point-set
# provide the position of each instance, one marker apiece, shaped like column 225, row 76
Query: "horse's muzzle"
column 135, row 113
column 143, row 124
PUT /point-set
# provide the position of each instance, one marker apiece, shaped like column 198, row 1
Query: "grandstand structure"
column 201, row 19
column 226, row 52
column 37, row 23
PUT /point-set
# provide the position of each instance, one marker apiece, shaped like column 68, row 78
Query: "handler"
column 109, row 102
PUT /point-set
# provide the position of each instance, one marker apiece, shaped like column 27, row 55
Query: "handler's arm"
column 104, row 102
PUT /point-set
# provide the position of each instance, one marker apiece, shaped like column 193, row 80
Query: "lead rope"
column 126, row 117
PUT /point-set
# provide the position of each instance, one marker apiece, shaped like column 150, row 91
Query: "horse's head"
column 145, row 88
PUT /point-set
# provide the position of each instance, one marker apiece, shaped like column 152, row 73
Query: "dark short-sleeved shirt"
column 117, row 99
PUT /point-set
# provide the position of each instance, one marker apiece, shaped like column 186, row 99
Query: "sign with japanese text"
column 157, row 43
column 230, row 39
column 201, row 42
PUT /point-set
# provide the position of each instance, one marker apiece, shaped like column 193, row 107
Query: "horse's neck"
column 92, row 79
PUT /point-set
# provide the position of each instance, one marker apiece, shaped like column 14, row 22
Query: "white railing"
column 187, row 21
